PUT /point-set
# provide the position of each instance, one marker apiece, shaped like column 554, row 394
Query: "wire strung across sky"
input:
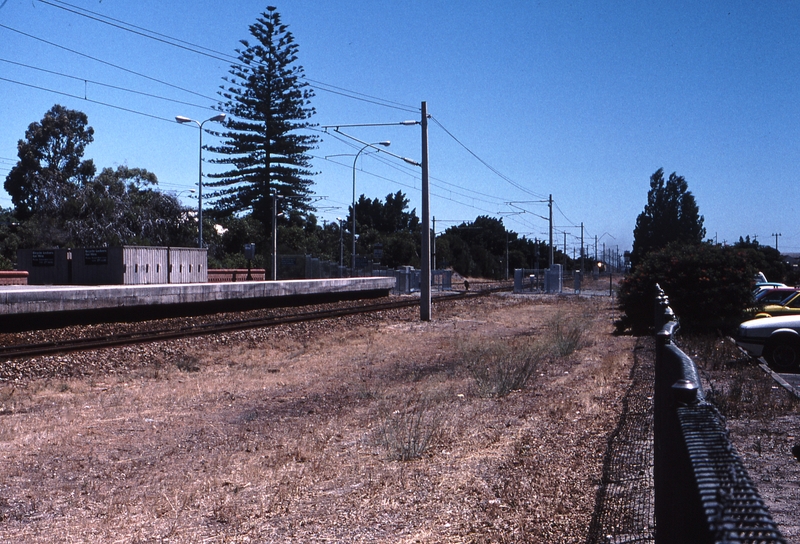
column 217, row 55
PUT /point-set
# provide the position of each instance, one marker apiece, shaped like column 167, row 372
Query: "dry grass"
column 349, row 431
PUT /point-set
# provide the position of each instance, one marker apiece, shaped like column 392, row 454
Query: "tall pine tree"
column 268, row 106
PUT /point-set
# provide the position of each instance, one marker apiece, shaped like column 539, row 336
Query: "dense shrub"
column 708, row 287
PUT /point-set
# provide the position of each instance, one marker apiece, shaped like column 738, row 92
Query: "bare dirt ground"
column 374, row 428
column 298, row 434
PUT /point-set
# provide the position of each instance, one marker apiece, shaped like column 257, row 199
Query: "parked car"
column 775, row 295
column 768, row 285
column 788, row 306
column 777, row 339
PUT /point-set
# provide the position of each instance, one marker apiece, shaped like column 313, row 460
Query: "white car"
column 777, row 339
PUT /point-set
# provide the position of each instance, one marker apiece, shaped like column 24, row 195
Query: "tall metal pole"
column 506, row 253
column 581, row 247
column 550, row 204
column 353, row 211
column 181, row 119
column 200, row 193
column 425, row 280
column 274, row 237
column 385, row 144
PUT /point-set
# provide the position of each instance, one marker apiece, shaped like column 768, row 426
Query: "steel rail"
column 19, row 351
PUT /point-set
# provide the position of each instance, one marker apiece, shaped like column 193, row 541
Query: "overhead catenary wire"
column 217, row 55
column 434, row 182
column 108, row 85
column 121, row 108
column 486, row 164
column 107, row 63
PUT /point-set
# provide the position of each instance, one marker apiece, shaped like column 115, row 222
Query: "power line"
column 139, row 74
column 217, row 55
column 140, row 31
column 117, row 87
column 129, row 110
column 435, row 182
column 483, row 162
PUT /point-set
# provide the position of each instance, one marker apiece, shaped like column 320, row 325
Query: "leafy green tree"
column 60, row 202
column 9, row 239
column 268, row 107
column 122, row 207
column 386, row 217
column 51, row 168
column 391, row 226
column 671, row 214
column 476, row 248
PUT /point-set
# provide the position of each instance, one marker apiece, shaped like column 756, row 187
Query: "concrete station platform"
column 22, row 306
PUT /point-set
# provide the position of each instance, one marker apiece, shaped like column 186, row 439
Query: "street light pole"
column 385, row 143
column 181, row 119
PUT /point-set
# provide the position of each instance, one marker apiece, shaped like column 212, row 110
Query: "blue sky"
column 581, row 100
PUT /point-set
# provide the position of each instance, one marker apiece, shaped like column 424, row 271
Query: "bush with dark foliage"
column 708, row 287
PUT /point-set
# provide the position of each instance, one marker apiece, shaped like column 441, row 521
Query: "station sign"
column 43, row 257
column 95, row 256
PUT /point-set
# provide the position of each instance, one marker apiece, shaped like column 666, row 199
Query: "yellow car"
column 789, row 306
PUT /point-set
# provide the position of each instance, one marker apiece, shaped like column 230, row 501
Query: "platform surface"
column 36, row 299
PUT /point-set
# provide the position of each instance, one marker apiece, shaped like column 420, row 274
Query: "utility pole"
column 425, row 280
column 581, row 247
column 274, row 237
column 776, row 234
column 550, row 204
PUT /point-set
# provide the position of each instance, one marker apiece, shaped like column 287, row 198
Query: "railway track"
column 19, row 351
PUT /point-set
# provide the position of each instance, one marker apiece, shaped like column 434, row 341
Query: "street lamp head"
column 217, row 118
column 385, row 143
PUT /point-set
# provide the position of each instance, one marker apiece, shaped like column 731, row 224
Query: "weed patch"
column 408, row 433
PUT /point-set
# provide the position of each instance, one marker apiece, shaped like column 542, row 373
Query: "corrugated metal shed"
column 126, row 265
column 145, row 265
column 188, row 265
